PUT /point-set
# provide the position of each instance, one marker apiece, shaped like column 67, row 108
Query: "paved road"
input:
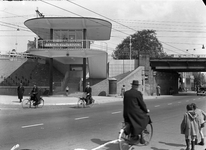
column 67, row 127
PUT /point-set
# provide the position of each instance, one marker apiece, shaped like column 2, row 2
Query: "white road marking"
column 34, row 125
column 194, row 99
column 179, row 102
column 169, row 104
column 81, row 118
column 117, row 112
column 104, row 145
column 157, row 106
column 9, row 108
column 187, row 100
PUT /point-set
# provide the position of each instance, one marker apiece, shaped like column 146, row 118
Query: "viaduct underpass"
column 166, row 71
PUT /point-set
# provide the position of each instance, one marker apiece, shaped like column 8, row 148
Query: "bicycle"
column 124, row 135
column 82, row 101
column 28, row 103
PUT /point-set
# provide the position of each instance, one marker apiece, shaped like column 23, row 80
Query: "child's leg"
column 193, row 142
column 202, row 136
column 187, row 140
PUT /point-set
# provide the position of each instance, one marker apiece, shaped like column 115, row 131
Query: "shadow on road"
column 172, row 144
column 99, row 141
column 109, row 146
column 154, row 148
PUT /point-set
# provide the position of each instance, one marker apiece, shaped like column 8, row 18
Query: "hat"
column 135, row 82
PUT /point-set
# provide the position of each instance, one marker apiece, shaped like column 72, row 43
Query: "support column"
column 51, row 76
column 84, row 60
column 51, row 69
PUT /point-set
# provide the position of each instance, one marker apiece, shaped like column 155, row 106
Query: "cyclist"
column 135, row 112
column 88, row 91
column 35, row 94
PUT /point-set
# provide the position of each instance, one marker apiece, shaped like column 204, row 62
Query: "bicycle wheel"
column 26, row 103
column 41, row 103
column 147, row 133
column 81, row 103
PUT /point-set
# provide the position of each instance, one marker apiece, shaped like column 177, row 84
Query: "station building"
column 70, row 41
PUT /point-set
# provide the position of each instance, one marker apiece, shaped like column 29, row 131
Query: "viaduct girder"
column 178, row 64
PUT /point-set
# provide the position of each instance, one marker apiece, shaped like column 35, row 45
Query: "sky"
column 180, row 25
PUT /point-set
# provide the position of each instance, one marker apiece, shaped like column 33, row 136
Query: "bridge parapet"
column 187, row 56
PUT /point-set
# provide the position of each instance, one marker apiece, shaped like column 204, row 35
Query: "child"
column 67, row 90
column 189, row 127
column 123, row 90
column 200, row 116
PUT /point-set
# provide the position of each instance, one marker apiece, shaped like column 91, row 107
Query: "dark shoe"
column 202, row 142
column 196, row 143
column 133, row 140
column 142, row 141
column 192, row 145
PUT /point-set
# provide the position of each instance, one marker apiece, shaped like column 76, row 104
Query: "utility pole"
column 130, row 51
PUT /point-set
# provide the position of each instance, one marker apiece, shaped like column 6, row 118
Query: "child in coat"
column 189, row 127
column 201, row 115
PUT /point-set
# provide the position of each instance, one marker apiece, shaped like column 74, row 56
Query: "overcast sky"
column 180, row 24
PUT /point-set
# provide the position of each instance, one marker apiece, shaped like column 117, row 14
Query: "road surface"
column 95, row 128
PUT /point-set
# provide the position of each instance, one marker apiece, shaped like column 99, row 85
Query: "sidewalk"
column 64, row 100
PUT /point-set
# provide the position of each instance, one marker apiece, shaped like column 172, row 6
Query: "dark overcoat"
column 20, row 92
column 135, row 111
column 35, row 92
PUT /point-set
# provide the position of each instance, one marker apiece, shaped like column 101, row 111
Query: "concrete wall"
column 135, row 75
column 117, row 67
column 100, row 87
column 12, row 90
column 98, row 66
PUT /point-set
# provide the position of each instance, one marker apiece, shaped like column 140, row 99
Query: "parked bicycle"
column 29, row 103
column 125, row 135
column 85, row 101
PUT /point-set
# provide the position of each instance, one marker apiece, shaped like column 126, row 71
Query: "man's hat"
column 135, row 82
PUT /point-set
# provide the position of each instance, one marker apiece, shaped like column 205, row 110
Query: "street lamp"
column 130, row 50
column 16, row 39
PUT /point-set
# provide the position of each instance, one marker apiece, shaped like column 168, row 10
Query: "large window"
column 67, row 34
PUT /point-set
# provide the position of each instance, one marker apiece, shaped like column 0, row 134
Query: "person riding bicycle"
column 88, row 91
column 135, row 112
column 35, row 95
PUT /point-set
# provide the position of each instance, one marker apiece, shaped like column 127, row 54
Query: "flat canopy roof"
column 96, row 29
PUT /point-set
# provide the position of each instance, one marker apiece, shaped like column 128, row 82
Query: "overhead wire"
column 113, row 20
column 78, row 15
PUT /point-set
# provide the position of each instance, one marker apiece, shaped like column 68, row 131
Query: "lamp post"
column 130, row 51
column 16, row 39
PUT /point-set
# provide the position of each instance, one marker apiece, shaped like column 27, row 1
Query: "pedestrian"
column 201, row 115
column 20, row 92
column 189, row 127
column 135, row 112
column 158, row 90
column 88, row 91
column 123, row 90
column 67, row 90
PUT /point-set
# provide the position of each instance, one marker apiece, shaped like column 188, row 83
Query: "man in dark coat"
column 35, row 94
column 20, row 92
column 88, row 91
column 135, row 111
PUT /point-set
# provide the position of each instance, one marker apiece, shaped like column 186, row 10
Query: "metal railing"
column 72, row 44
